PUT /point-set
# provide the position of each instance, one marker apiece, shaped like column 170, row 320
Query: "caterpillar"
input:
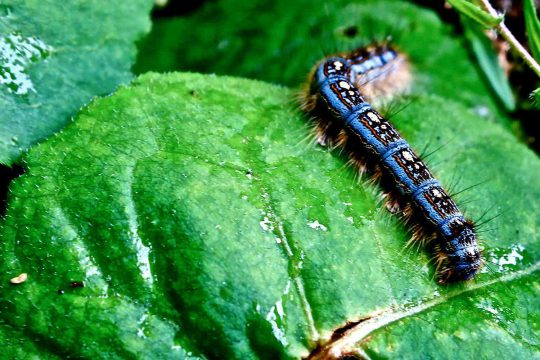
column 335, row 99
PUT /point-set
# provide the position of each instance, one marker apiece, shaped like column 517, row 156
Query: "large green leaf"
column 54, row 59
column 488, row 60
column 204, row 224
column 279, row 41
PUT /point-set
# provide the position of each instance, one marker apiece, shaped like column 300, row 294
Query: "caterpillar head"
column 459, row 254
column 334, row 66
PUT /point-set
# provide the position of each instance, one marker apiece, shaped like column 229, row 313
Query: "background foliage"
column 54, row 59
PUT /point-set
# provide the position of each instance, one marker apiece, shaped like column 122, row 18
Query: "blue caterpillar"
column 336, row 101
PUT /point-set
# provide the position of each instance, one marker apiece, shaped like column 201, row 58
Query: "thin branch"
column 512, row 41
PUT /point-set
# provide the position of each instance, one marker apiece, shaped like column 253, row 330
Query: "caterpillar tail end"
column 460, row 270
column 458, row 273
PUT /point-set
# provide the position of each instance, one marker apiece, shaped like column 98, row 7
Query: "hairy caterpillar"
column 335, row 99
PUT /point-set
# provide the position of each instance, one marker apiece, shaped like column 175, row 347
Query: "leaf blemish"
column 320, row 351
column 19, row 279
column 76, row 284
column 317, row 225
column 16, row 54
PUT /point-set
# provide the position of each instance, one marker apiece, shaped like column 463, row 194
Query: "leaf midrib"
column 334, row 348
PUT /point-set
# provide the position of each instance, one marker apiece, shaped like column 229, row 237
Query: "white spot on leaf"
column 317, row 225
column 510, row 258
column 266, row 224
column 16, row 53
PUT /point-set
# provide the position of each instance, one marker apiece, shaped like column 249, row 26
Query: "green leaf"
column 535, row 97
column 204, row 225
column 54, row 58
column 532, row 24
column 489, row 62
column 475, row 13
column 289, row 37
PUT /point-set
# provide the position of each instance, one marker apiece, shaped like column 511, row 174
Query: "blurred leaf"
column 203, row 225
column 489, row 62
column 54, row 57
column 284, row 43
column 475, row 13
column 532, row 24
column 535, row 96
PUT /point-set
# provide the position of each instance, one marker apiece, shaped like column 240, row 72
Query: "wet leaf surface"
column 55, row 59
column 203, row 224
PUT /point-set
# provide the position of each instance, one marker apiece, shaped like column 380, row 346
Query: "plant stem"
column 512, row 41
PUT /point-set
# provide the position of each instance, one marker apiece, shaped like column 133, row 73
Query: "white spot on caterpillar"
column 317, row 225
column 436, row 193
column 344, row 85
column 388, row 55
column 338, row 65
column 407, row 155
column 373, row 117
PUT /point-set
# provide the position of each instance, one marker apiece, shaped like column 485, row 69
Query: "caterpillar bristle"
column 357, row 164
column 442, row 270
column 344, row 120
column 408, row 212
column 391, row 202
